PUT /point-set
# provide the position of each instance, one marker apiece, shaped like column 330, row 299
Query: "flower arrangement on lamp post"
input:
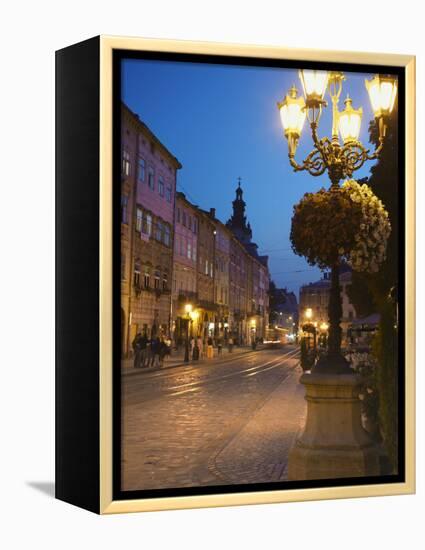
column 346, row 222
column 327, row 228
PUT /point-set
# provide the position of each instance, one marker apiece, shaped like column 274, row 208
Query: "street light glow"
column 308, row 313
column 314, row 85
column 382, row 93
column 292, row 114
column 349, row 121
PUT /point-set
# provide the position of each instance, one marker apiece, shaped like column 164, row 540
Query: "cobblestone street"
column 229, row 421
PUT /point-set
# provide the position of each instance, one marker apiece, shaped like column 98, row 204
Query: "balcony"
column 187, row 296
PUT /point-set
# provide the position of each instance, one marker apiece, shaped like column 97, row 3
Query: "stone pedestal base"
column 334, row 443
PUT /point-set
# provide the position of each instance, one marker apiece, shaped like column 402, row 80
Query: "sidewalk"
column 177, row 360
column 259, row 452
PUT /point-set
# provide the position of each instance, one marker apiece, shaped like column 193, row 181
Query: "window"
column 168, row 193
column 206, row 267
column 165, row 281
column 147, row 277
column 195, row 225
column 142, row 170
column 151, row 178
column 161, row 186
column 189, row 250
column 167, row 235
column 189, row 222
column 211, row 269
column 124, row 205
column 194, row 254
column 184, row 218
column 149, row 224
column 182, row 246
column 157, row 277
column 137, row 273
column 178, row 215
column 125, row 162
column 158, row 232
column 139, row 219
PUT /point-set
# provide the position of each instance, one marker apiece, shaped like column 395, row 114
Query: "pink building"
column 148, row 186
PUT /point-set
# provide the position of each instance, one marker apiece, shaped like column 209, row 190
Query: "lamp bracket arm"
column 377, row 153
column 297, row 167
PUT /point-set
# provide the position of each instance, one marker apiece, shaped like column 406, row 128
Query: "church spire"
column 237, row 222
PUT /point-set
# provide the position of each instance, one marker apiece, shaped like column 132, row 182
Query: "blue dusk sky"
column 222, row 122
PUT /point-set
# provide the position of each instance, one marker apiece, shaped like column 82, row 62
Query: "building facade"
column 148, row 185
column 223, row 239
column 315, row 296
column 248, row 278
column 207, row 307
column 176, row 257
column 185, row 266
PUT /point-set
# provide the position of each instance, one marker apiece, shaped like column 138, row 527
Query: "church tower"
column 237, row 223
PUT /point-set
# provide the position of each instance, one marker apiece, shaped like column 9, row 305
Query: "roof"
column 151, row 135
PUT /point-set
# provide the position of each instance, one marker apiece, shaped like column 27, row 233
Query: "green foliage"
column 370, row 293
column 385, row 349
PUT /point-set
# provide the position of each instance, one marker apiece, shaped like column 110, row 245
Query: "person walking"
column 162, row 351
column 143, row 342
column 219, row 347
column 200, row 347
column 137, row 350
column 230, row 344
column 155, row 352
column 149, row 353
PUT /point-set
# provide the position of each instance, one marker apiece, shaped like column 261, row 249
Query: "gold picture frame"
column 107, row 45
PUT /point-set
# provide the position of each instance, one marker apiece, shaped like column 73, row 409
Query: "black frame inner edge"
column 118, row 56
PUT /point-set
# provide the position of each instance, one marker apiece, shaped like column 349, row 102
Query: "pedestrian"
column 169, row 343
column 155, row 352
column 219, row 346
column 149, row 353
column 136, row 350
column 230, row 344
column 162, row 351
column 143, row 342
column 200, row 347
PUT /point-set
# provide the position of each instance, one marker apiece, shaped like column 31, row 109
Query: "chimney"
column 212, row 212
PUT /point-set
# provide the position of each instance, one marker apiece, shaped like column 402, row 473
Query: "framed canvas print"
column 235, row 274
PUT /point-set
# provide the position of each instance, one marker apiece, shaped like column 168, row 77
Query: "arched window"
column 165, row 280
column 139, row 219
column 157, row 278
column 147, row 277
column 137, row 272
column 158, row 232
column 167, row 235
column 161, row 186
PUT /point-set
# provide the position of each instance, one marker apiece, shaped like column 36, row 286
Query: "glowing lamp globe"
column 314, row 84
column 349, row 121
column 382, row 91
column 292, row 113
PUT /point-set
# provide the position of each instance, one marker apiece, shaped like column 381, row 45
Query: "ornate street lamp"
column 339, row 157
